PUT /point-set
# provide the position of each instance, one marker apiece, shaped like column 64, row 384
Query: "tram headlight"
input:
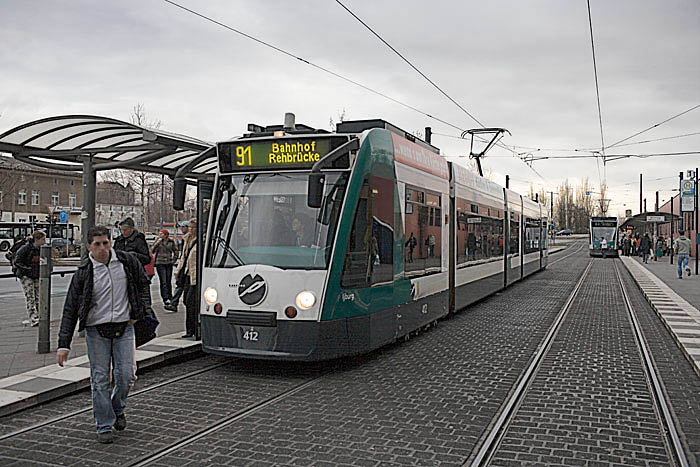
column 210, row 295
column 305, row 300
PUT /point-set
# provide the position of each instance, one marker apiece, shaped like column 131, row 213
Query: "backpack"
column 12, row 254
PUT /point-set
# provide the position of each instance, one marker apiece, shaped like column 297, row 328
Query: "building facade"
column 114, row 202
column 29, row 193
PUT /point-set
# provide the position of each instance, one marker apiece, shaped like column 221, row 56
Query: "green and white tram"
column 321, row 245
column 603, row 236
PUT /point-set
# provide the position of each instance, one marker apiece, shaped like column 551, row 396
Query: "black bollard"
column 45, row 267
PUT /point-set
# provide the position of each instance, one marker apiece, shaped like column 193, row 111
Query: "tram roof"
column 64, row 142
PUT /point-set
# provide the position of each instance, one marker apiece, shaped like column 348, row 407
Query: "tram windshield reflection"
column 265, row 219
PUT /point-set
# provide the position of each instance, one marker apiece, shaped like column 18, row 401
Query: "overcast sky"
column 519, row 64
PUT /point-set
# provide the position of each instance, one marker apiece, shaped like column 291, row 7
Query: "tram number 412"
column 251, row 335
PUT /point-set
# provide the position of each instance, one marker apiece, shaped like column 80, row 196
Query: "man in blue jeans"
column 682, row 248
column 107, row 294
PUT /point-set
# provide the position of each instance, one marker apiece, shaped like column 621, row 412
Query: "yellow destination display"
column 301, row 153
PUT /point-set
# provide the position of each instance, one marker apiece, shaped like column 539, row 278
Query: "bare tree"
column 9, row 183
column 342, row 116
column 138, row 180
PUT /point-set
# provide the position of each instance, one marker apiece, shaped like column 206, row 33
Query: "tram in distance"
column 321, row 245
column 603, row 236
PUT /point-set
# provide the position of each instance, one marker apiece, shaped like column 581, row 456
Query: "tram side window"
column 423, row 229
column 514, row 234
column 479, row 233
column 532, row 235
column 369, row 258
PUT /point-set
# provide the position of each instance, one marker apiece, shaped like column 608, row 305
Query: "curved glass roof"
column 64, row 142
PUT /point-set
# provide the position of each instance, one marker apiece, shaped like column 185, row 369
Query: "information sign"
column 687, row 195
column 63, row 217
column 655, row 219
column 628, row 213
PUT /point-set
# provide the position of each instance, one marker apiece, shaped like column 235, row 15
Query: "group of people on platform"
column 645, row 246
column 658, row 247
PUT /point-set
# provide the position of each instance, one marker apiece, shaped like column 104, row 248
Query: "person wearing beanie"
column 165, row 251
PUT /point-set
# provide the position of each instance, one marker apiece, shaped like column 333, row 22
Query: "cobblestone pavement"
column 589, row 403
column 424, row 402
column 146, row 378
column 681, row 383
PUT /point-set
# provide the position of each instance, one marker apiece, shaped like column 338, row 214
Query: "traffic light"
column 54, row 218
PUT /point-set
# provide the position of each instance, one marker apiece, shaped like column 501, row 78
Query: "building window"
column 32, row 219
column 55, row 181
column 72, row 182
column 0, row 196
column 54, row 198
column 35, row 198
column 71, row 200
column 22, row 196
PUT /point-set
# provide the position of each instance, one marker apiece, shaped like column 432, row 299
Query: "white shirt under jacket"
column 110, row 300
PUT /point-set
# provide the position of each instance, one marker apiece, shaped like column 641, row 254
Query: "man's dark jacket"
column 79, row 298
column 136, row 244
column 27, row 260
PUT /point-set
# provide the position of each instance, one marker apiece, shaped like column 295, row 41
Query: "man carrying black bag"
column 107, row 297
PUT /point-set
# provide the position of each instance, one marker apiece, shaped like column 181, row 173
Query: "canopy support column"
column 87, row 217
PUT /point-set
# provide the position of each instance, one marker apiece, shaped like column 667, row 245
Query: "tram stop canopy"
column 89, row 143
column 645, row 221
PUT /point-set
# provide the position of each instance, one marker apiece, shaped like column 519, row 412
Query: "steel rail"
column 88, row 408
column 507, row 413
column 654, row 382
column 223, row 423
column 580, row 247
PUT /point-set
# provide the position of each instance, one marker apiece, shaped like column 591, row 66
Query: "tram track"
column 223, row 423
column 178, row 443
column 89, row 407
column 579, row 248
column 663, row 410
column 499, row 427
column 507, row 413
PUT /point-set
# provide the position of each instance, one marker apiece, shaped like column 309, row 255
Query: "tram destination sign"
column 277, row 154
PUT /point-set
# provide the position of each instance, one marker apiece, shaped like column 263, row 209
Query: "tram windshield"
column 265, row 219
column 604, row 232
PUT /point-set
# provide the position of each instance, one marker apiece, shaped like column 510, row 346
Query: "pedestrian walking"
column 626, row 245
column 171, row 306
column 659, row 248
column 133, row 241
column 645, row 247
column 165, row 253
column 187, row 275
column 25, row 265
column 682, row 247
column 106, row 296
column 603, row 246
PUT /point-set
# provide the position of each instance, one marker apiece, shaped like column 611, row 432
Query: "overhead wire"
column 653, row 126
column 597, row 93
column 409, row 63
column 314, row 65
column 499, row 144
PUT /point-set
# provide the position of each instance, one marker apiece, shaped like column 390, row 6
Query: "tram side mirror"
column 314, row 194
column 179, row 191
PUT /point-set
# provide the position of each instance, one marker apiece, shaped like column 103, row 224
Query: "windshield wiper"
column 229, row 251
